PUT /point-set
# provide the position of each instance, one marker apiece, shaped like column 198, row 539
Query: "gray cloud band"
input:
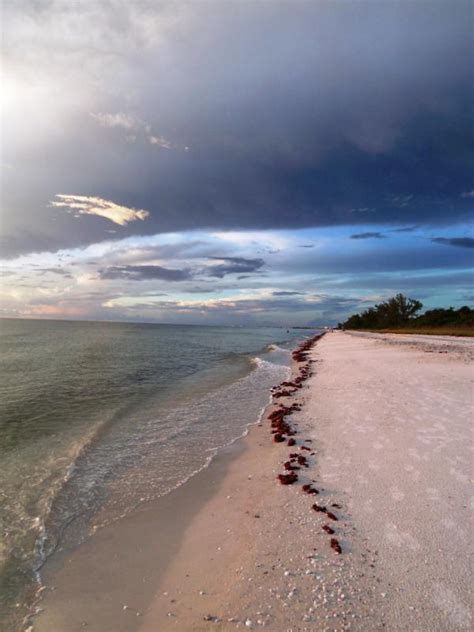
column 263, row 117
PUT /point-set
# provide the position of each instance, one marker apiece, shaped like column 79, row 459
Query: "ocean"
column 97, row 418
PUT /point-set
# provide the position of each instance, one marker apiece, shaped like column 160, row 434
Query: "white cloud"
column 160, row 141
column 271, row 240
column 85, row 205
column 119, row 119
column 467, row 194
column 131, row 123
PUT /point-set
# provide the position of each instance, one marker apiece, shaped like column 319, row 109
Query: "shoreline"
column 127, row 557
column 387, row 424
column 261, row 553
column 229, row 388
column 145, row 560
column 217, row 464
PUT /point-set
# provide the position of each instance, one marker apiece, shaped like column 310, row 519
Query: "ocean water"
column 97, row 418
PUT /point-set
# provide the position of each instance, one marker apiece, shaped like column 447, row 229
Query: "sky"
column 240, row 163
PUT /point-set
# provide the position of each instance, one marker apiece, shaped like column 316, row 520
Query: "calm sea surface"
column 97, row 418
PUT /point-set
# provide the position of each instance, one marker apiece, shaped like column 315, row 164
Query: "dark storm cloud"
column 144, row 273
column 234, row 265
column 277, row 115
column 460, row 242
column 375, row 235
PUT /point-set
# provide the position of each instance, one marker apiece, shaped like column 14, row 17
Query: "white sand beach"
column 389, row 430
column 396, row 432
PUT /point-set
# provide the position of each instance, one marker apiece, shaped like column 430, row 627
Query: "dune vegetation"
column 400, row 314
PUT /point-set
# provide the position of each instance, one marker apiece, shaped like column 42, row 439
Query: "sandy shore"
column 390, row 428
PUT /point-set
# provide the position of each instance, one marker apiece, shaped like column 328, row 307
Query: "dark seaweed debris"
column 281, row 429
column 324, row 510
column 288, row 479
column 309, row 489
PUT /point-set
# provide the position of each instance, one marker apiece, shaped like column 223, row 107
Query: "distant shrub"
column 401, row 312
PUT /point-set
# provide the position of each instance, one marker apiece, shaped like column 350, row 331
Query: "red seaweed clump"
column 309, row 489
column 283, row 394
column 288, row 479
column 276, row 413
column 336, row 546
column 328, row 529
column 294, row 384
column 324, row 510
column 280, row 427
column 278, row 423
column 301, row 353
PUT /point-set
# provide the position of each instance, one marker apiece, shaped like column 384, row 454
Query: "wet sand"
column 390, row 428
column 108, row 582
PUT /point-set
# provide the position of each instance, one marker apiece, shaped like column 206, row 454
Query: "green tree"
column 399, row 309
column 394, row 312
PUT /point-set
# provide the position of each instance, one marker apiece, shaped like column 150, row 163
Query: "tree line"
column 400, row 311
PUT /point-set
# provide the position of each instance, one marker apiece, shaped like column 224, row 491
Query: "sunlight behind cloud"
column 85, row 205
